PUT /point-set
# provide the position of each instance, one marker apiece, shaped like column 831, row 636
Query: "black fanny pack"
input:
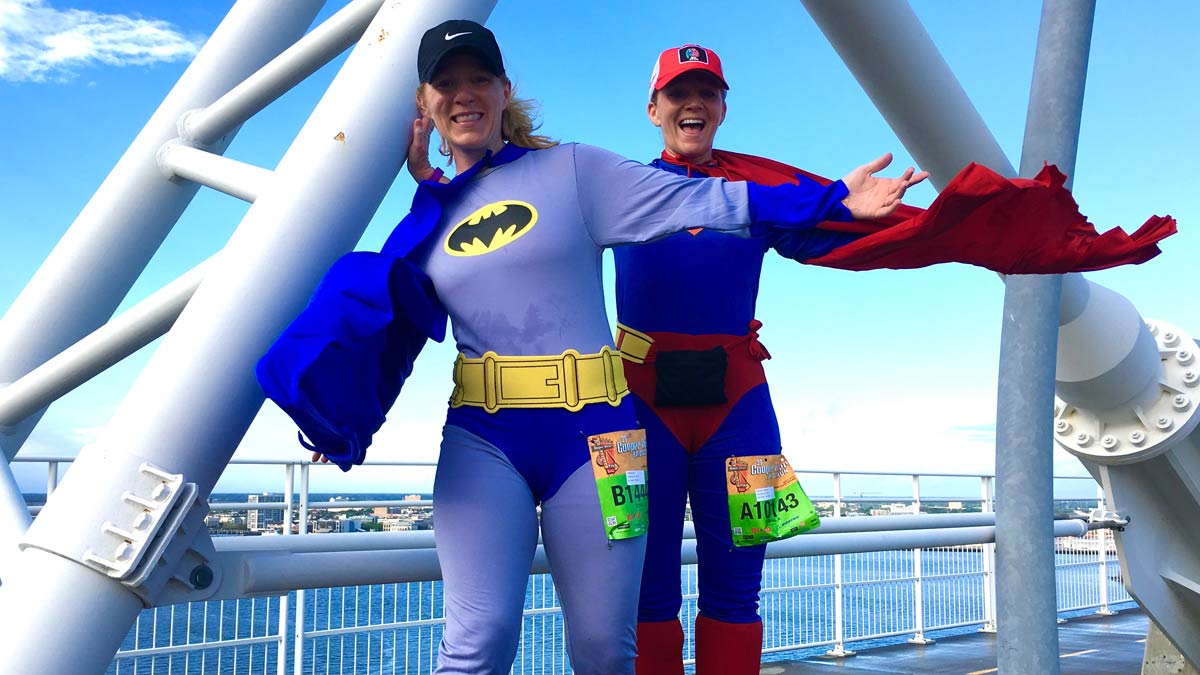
column 688, row 378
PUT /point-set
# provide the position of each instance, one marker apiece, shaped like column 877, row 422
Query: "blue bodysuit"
column 697, row 290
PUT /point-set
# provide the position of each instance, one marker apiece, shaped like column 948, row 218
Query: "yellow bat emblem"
column 491, row 227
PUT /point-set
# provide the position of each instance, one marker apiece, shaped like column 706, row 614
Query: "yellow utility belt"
column 634, row 346
column 570, row 380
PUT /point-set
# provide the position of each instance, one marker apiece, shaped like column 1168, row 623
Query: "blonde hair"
column 517, row 124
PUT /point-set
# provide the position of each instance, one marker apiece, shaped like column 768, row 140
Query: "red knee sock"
column 660, row 648
column 727, row 648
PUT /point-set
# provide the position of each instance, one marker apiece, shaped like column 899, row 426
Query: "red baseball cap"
column 678, row 60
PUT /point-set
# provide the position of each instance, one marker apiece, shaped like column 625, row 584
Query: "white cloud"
column 39, row 43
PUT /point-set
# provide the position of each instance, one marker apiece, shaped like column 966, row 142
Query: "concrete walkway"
column 1091, row 645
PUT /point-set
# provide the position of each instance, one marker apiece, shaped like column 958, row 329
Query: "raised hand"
column 874, row 197
column 418, row 150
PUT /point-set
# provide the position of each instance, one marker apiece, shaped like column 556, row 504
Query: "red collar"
column 712, row 167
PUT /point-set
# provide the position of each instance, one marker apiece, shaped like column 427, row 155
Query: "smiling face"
column 466, row 102
column 688, row 110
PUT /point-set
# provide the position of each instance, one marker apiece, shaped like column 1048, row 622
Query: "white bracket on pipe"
column 1141, row 429
column 138, row 523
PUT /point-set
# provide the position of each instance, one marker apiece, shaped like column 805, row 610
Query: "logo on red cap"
column 693, row 54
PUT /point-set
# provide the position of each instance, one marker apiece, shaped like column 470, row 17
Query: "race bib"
column 619, row 464
column 766, row 502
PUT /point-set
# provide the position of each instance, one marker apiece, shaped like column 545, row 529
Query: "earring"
column 444, row 149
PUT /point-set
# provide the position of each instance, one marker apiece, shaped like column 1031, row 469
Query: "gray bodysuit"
column 516, row 260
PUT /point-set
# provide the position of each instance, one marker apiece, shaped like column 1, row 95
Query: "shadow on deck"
column 1089, row 645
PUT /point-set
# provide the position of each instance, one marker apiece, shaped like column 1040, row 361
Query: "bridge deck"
column 1091, row 645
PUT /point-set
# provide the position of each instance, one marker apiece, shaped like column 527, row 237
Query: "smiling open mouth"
column 691, row 124
column 466, row 117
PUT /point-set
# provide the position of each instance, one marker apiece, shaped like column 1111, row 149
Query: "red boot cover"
column 728, row 648
column 660, row 648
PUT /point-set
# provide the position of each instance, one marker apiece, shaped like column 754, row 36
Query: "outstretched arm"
column 874, row 197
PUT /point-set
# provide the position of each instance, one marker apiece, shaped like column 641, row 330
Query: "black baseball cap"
column 454, row 35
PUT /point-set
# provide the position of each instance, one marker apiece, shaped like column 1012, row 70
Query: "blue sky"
column 879, row 370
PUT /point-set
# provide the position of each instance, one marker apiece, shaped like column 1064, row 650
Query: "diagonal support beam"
column 89, row 272
column 888, row 51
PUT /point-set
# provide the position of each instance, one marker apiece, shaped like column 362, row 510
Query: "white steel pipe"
column 320, row 46
column 234, row 178
column 327, row 543
column 14, row 519
column 862, row 542
column 135, row 328
column 1106, row 356
column 361, row 541
column 51, row 477
column 89, row 272
column 281, row 655
column 190, row 407
column 377, row 559
column 989, row 562
column 891, row 55
column 918, row 590
column 422, row 539
column 888, row 523
column 84, row 613
column 298, row 627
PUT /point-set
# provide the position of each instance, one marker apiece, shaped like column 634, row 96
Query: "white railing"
column 825, row 603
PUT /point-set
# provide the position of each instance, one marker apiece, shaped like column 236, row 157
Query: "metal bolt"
column 1184, row 357
column 142, row 521
column 125, row 550
column 1062, row 427
column 1190, row 378
column 201, row 577
column 1170, row 339
column 1083, row 439
column 161, row 492
column 1181, row 402
column 1164, row 423
column 1153, row 327
column 1137, row 437
column 1109, row 442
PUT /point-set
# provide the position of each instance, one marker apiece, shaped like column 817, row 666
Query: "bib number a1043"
column 766, row 502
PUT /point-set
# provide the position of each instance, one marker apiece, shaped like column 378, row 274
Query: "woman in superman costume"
column 686, row 327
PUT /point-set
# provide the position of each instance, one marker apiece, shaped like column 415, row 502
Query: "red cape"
column 1013, row 226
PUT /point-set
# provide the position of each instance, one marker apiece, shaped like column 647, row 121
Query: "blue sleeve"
column 801, row 245
column 338, row 368
column 625, row 202
column 796, row 207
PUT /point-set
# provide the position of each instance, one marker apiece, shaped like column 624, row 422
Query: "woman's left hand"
column 874, row 197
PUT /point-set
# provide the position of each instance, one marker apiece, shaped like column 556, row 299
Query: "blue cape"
column 338, row 368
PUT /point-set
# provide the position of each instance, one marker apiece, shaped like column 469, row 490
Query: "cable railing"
column 832, row 603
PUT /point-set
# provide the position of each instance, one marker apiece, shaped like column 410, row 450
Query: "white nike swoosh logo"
column 451, row 37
